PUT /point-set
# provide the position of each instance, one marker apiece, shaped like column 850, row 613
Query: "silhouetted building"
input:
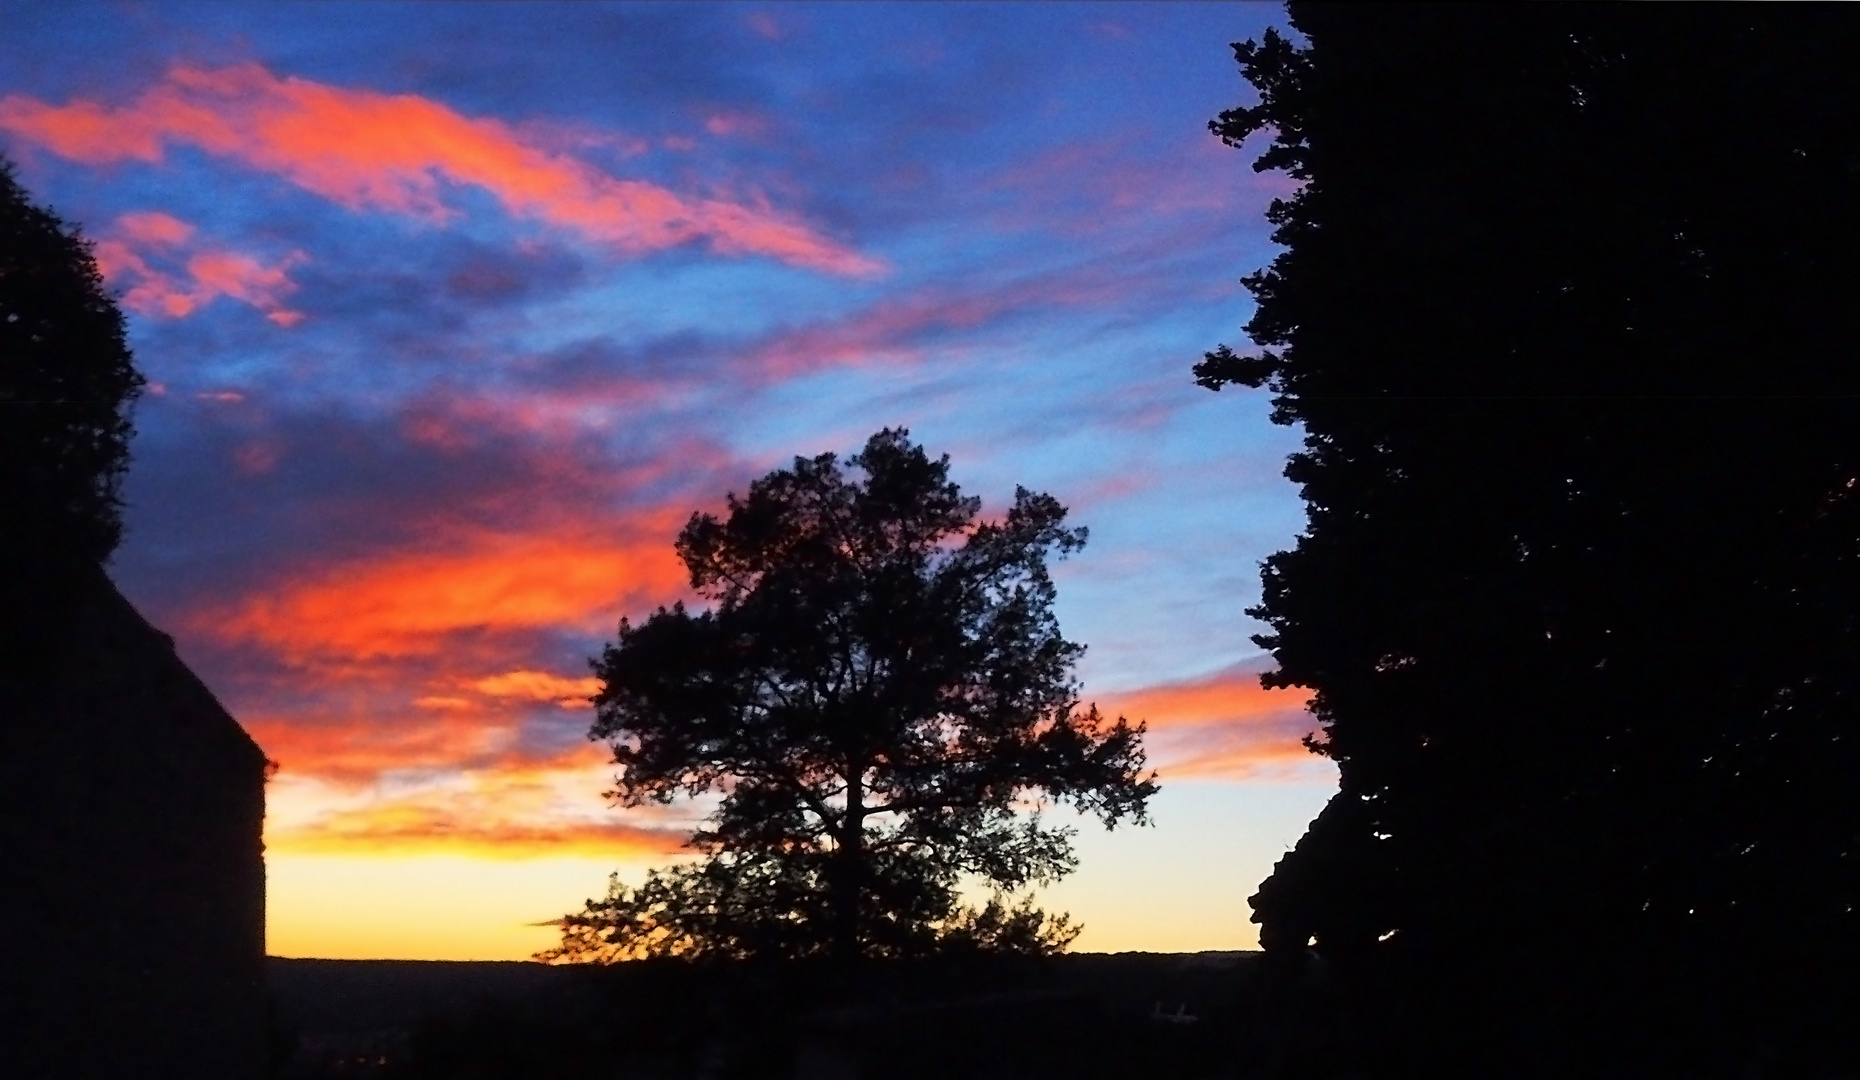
column 132, row 893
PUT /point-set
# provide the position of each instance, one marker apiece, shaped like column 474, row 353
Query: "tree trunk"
column 848, row 870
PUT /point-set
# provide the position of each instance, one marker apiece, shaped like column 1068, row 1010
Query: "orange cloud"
column 199, row 278
column 391, row 152
column 1221, row 725
column 405, row 603
column 1235, row 756
column 358, row 748
column 1230, row 696
column 403, row 829
column 507, row 810
column 540, row 686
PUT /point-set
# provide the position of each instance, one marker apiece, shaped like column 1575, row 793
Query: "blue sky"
column 452, row 314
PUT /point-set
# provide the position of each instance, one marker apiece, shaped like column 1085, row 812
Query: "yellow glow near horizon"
column 424, row 907
column 1178, row 887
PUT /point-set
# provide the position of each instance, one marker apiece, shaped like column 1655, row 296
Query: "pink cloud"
column 153, row 228
column 255, row 459
column 1113, row 181
column 765, row 26
column 894, row 331
column 391, row 152
column 729, row 124
column 147, row 254
column 228, row 273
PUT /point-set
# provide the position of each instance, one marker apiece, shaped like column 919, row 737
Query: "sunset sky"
column 452, row 315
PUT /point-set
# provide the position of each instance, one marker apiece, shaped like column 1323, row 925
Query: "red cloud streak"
column 369, row 150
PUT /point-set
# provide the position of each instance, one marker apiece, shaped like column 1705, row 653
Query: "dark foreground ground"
column 1079, row 1017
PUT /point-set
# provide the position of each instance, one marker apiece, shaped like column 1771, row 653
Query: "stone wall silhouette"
column 132, row 891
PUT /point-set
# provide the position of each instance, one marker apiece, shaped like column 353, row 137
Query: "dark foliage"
column 1567, row 315
column 878, row 689
column 736, row 905
column 66, row 384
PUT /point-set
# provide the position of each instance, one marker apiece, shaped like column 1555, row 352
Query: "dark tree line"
column 1567, row 312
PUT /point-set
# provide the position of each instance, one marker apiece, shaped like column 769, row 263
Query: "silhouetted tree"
column 877, row 691
column 736, row 905
column 1566, row 313
column 66, row 384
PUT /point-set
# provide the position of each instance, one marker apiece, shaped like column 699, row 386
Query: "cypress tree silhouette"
column 1566, row 312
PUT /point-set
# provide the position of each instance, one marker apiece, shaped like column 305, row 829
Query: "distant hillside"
column 431, row 1018
column 328, row 997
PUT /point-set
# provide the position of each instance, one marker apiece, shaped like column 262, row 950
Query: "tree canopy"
column 1565, row 312
column 877, row 696
column 67, row 381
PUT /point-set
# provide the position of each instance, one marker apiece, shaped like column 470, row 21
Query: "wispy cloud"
column 397, row 152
